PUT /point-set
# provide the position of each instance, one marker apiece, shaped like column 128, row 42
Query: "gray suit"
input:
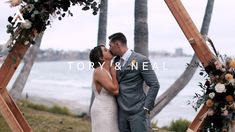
column 131, row 98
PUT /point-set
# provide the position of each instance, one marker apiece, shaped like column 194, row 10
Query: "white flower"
column 212, row 95
column 232, row 82
column 26, row 25
column 210, row 112
column 219, row 88
column 26, row 43
column 223, row 69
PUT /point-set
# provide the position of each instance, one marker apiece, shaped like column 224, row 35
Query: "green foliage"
column 179, row 125
column 60, row 110
column 41, row 121
column 154, row 124
column 38, row 14
column 3, row 125
column 55, row 109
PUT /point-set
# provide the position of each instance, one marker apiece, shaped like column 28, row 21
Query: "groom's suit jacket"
column 131, row 98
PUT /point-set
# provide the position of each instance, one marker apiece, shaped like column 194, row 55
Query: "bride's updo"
column 96, row 56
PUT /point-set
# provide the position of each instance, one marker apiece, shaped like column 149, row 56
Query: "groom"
column 134, row 104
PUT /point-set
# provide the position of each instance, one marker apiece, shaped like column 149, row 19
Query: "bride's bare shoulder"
column 98, row 71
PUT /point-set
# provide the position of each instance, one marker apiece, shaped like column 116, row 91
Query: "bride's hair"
column 96, row 56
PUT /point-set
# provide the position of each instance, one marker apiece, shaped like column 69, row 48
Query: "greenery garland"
column 38, row 14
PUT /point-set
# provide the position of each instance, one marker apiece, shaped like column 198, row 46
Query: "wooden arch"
column 22, row 40
column 14, row 116
column 199, row 46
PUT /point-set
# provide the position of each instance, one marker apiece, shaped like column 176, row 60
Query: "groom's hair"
column 118, row 37
column 96, row 56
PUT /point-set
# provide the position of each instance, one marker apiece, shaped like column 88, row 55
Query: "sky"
column 80, row 31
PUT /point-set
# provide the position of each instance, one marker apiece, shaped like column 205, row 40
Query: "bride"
column 105, row 87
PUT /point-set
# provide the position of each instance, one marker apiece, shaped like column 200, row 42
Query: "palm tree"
column 187, row 75
column 102, row 29
column 21, row 79
column 141, row 30
column 141, row 27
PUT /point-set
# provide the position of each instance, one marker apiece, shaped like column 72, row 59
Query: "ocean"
column 71, row 81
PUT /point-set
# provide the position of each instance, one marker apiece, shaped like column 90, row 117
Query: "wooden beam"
column 16, row 111
column 7, row 114
column 195, row 126
column 190, row 31
column 8, row 107
column 198, row 44
column 11, row 63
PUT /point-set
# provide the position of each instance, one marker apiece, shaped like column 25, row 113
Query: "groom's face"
column 113, row 47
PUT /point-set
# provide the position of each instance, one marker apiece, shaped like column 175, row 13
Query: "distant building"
column 179, row 52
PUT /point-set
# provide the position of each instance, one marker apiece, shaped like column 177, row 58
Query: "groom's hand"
column 146, row 110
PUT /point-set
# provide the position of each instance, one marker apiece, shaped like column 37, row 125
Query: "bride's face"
column 106, row 54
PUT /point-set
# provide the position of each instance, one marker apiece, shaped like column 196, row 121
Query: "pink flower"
column 210, row 112
column 218, row 65
column 225, row 113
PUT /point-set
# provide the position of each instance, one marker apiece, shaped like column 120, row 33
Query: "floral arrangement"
column 39, row 13
column 218, row 95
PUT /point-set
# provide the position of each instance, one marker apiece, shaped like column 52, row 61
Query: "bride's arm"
column 105, row 81
column 114, row 79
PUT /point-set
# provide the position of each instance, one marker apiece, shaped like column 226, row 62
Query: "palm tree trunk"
column 29, row 59
column 141, row 30
column 187, row 75
column 207, row 17
column 102, row 29
column 141, row 27
column 164, row 99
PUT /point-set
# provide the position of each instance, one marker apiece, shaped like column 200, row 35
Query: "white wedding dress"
column 104, row 111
